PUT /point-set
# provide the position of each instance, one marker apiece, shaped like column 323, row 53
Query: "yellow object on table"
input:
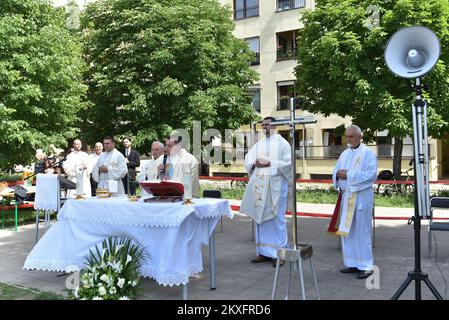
column 133, row 198
column 27, row 182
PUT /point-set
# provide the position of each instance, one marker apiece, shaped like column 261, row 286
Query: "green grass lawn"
column 327, row 196
column 14, row 292
column 309, row 195
column 24, row 216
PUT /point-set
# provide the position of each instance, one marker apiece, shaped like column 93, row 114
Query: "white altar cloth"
column 170, row 233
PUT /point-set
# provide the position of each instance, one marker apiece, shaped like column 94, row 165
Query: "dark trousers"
column 131, row 183
column 93, row 186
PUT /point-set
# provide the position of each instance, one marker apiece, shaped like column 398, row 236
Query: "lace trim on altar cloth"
column 51, row 265
column 203, row 209
column 214, row 210
column 145, row 271
column 126, row 220
column 170, row 279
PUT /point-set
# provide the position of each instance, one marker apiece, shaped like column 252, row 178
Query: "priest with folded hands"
column 110, row 168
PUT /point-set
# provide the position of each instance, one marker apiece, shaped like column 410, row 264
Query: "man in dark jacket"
column 132, row 158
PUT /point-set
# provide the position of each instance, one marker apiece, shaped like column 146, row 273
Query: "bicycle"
column 407, row 187
column 237, row 183
column 386, row 175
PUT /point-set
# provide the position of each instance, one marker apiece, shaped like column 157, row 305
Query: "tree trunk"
column 397, row 157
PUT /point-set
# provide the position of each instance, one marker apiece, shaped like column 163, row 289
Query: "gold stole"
column 344, row 220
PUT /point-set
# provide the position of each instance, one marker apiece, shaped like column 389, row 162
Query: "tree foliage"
column 40, row 79
column 157, row 65
column 341, row 68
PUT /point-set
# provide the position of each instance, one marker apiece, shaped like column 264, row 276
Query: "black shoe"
column 364, row 274
column 281, row 263
column 349, row 270
column 260, row 259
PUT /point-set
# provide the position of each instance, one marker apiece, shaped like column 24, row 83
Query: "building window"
column 246, row 9
column 254, row 46
column 298, row 138
column 384, row 144
column 255, row 94
column 290, row 4
column 332, row 143
column 286, row 45
column 285, row 91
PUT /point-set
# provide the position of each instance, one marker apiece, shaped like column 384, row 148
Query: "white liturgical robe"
column 117, row 169
column 149, row 172
column 266, row 196
column 357, row 205
column 183, row 163
column 73, row 167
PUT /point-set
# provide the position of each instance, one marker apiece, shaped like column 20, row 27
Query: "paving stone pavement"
column 238, row 279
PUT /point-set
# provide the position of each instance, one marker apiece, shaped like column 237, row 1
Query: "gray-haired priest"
column 354, row 176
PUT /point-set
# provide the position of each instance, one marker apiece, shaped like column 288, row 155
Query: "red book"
column 164, row 189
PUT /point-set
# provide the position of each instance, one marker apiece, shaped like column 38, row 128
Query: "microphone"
column 164, row 163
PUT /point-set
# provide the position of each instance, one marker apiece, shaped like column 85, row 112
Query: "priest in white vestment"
column 268, row 164
column 354, row 176
column 78, row 167
column 110, row 168
column 180, row 164
column 150, row 171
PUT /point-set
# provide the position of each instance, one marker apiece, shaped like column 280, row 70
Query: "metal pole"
column 426, row 164
column 420, row 195
column 293, row 156
column 213, row 276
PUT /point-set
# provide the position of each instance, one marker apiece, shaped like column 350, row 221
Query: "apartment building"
column 270, row 28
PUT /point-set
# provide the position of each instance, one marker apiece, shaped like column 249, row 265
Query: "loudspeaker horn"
column 412, row 52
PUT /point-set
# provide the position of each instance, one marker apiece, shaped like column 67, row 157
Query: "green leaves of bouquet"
column 113, row 271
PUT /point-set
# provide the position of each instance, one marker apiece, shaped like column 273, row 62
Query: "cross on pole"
column 292, row 122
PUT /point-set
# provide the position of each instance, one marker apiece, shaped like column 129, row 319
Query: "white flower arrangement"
column 112, row 272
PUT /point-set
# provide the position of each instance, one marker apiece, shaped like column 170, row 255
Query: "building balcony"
column 285, row 54
column 383, row 151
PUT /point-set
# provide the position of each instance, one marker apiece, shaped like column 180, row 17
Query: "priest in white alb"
column 110, row 168
column 78, row 167
column 265, row 200
column 149, row 170
column 181, row 164
column 354, row 176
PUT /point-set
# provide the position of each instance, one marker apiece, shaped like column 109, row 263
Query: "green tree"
column 341, row 67
column 157, row 65
column 40, row 79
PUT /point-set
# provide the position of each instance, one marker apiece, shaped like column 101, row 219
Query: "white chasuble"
column 117, row 170
column 266, row 197
column 261, row 198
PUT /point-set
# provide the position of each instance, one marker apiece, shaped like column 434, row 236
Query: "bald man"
column 149, row 170
column 78, row 166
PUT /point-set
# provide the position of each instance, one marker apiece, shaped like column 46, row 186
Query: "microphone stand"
column 421, row 193
column 43, row 169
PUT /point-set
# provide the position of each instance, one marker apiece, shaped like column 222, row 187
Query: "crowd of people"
column 116, row 170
